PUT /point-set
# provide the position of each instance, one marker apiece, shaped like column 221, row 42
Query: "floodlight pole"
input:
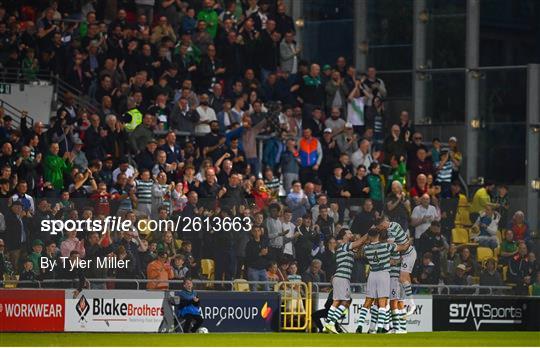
column 360, row 34
column 419, row 62
column 533, row 144
column 472, row 43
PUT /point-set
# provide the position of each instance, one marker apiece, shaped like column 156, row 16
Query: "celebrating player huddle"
column 391, row 259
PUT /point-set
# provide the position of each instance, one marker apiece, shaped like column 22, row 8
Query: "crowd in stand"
column 228, row 74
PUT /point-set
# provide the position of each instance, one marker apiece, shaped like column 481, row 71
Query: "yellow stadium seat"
column 240, row 285
column 500, row 236
column 504, row 273
column 530, row 290
column 460, row 235
column 10, row 282
column 208, row 268
column 475, row 280
column 178, row 244
column 483, row 253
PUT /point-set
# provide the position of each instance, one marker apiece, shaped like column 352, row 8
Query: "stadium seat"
column 10, row 282
column 208, row 268
column 504, row 273
column 500, row 236
column 178, row 243
column 483, row 253
column 530, row 290
column 460, row 235
column 475, row 280
column 240, row 285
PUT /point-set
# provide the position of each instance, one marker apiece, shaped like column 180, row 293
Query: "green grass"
column 463, row 339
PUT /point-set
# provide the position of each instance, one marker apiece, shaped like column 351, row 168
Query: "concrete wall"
column 36, row 99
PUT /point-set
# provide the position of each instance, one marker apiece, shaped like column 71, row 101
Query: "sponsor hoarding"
column 486, row 313
column 32, row 310
column 114, row 311
column 419, row 321
column 225, row 311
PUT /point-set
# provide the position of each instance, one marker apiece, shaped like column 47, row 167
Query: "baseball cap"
column 453, row 139
column 38, row 242
column 462, row 267
column 328, row 130
column 348, row 125
column 326, row 67
column 77, row 141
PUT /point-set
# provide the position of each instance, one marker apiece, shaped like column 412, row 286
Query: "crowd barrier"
column 48, row 310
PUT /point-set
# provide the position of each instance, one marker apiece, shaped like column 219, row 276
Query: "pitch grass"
column 462, row 339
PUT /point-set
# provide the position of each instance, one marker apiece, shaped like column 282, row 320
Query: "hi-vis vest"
column 136, row 119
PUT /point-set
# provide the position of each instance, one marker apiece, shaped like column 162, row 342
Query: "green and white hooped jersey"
column 378, row 255
column 399, row 236
column 344, row 261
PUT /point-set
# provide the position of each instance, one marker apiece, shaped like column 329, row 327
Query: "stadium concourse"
column 166, row 109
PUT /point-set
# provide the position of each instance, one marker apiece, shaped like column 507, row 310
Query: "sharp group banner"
column 32, row 310
column 114, row 311
column 419, row 321
column 225, row 311
column 486, row 313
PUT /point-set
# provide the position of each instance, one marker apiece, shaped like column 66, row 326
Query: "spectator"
column 257, row 258
column 376, row 186
column 460, row 280
column 398, row 206
column 423, row 215
column 520, row 228
column 434, row 243
column 465, row 258
column 480, row 200
column 310, row 154
column 426, row 272
column 17, row 234
column 519, row 270
column 314, row 274
column 490, row 276
column 159, row 272
column 487, row 225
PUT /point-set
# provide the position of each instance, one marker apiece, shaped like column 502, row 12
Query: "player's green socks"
column 396, row 315
column 374, row 314
column 331, row 317
column 383, row 318
column 362, row 316
column 408, row 289
column 402, row 320
column 339, row 312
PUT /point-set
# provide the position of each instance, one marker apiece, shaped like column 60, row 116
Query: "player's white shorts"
column 342, row 289
column 407, row 261
column 395, row 289
column 378, row 284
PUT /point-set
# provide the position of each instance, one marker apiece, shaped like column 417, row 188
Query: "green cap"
column 326, row 67
column 37, row 242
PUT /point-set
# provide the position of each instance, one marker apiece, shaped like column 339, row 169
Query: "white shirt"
column 358, row 158
column 418, row 213
column 205, row 115
column 288, row 247
column 129, row 173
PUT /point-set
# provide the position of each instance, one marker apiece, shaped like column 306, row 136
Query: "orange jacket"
column 160, row 272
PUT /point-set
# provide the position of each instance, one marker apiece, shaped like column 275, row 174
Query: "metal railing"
column 228, row 285
column 81, row 101
column 15, row 113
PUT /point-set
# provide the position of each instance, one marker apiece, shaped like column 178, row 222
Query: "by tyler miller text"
column 72, row 264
